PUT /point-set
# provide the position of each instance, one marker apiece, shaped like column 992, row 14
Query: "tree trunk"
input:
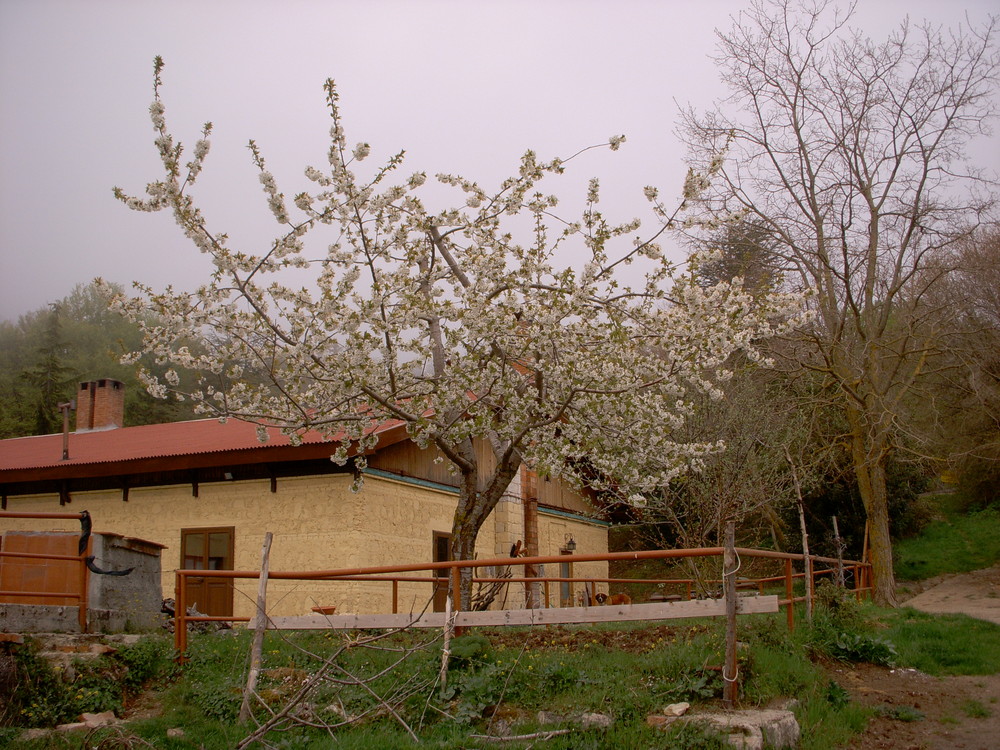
column 475, row 503
column 869, row 467
column 880, row 543
column 463, row 547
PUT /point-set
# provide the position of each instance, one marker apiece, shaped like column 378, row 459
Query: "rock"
column 586, row 719
column 500, row 728
column 76, row 726
column 752, row 730
column 595, row 720
column 123, row 639
column 548, row 717
column 102, row 719
column 28, row 735
column 783, row 704
column 175, row 732
column 676, row 709
column 659, row 721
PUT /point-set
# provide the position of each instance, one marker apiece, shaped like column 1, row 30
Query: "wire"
column 739, row 564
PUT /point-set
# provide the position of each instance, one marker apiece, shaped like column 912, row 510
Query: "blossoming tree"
column 462, row 323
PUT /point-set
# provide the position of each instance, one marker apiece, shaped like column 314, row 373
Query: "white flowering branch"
column 459, row 323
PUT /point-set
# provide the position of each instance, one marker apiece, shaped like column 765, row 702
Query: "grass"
column 942, row 644
column 626, row 672
column 956, row 542
column 498, row 672
column 565, row 671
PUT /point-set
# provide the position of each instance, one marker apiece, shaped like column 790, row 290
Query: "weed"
column 148, row 660
column 863, row 648
column 900, row 713
column 558, row 677
column 469, row 651
column 836, row 695
column 698, row 685
column 842, row 629
column 974, row 709
column 475, row 693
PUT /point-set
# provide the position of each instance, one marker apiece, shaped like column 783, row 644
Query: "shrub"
column 41, row 697
column 148, row 660
column 469, row 651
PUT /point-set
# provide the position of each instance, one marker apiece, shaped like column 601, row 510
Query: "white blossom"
column 361, row 151
column 464, row 324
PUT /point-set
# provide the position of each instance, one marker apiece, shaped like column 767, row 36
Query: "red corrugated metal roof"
column 204, row 436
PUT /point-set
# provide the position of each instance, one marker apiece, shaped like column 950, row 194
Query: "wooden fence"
column 393, row 575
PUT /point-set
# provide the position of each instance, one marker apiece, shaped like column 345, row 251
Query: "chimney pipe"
column 65, row 409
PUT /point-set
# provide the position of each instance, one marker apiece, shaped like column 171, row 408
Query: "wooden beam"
column 561, row 615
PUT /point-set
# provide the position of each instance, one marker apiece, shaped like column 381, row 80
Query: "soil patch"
column 915, row 711
column 558, row 637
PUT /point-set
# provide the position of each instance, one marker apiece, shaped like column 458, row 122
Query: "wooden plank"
column 563, row 615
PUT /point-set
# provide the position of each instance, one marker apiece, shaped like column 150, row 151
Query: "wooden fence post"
column 840, row 555
column 84, row 600
column 180, row 616
column 730, row 671
column 790, row 593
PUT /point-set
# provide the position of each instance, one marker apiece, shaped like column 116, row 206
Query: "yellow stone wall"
column 318, row 524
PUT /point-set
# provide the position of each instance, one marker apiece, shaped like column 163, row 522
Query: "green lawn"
column 956, row 543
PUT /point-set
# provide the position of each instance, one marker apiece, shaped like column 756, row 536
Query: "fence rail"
column 394, row 574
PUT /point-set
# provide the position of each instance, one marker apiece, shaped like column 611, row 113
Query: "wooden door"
column 442, row 553
column 209, row 549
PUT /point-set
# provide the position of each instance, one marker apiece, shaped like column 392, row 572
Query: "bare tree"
column 850, row 153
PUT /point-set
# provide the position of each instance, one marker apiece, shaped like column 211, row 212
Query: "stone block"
column 752, row 729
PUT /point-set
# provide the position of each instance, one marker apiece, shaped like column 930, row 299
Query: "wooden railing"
column 393, row 575
column 80, row 594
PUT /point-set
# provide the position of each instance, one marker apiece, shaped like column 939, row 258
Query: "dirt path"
column 976, row 594
column 920, row 712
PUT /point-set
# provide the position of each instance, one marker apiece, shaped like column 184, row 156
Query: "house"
column 209, row 490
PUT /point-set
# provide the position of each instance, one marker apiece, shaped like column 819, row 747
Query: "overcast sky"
column 464, row 86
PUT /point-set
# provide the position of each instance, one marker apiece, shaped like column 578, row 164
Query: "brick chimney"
column 100, row 405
